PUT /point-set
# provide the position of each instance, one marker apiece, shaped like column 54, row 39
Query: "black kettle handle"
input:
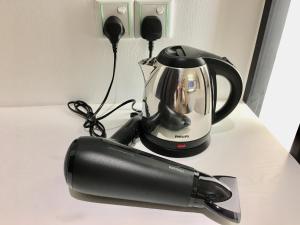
column 223, row 67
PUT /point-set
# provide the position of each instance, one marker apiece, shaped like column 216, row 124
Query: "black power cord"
column 113, row 29
column 151, row 30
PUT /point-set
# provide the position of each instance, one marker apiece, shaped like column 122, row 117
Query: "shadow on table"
column 223, row 126
column 104, row 200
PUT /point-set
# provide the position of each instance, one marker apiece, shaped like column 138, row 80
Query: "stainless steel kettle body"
column 180, row 97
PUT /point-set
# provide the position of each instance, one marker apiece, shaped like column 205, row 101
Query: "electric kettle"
column 179, row 104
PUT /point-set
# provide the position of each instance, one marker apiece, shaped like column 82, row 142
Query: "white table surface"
column 33, row 191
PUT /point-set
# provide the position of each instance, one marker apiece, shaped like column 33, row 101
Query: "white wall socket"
column 160, row 8
column 120, row 8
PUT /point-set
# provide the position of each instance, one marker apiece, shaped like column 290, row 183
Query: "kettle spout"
column 147, row 67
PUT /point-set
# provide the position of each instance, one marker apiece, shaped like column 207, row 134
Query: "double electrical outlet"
column 132, row 13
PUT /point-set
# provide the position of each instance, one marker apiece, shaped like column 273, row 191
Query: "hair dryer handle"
column 129, row 131
column 222, row 66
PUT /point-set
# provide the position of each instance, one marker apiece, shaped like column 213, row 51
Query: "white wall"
column 50, row 51
column 281, row 107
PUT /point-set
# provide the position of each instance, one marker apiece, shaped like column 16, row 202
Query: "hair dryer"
column 104, row 167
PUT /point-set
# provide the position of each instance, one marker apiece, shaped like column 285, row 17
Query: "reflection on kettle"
column 167, row 118
column 180, row 93
column 171, row 97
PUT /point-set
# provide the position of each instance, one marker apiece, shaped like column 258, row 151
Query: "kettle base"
column 175, row 149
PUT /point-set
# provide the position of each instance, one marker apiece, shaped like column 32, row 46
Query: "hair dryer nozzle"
column 231, row 207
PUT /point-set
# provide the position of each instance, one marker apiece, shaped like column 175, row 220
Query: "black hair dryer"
column 104, row 167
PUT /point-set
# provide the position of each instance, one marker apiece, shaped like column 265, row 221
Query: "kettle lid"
column 181, row 57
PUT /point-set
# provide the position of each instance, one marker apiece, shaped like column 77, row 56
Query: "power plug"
column 113, row 29
column 151, row 30
column 163, row 9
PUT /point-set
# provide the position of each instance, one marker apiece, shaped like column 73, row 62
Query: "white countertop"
column 33, row 191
